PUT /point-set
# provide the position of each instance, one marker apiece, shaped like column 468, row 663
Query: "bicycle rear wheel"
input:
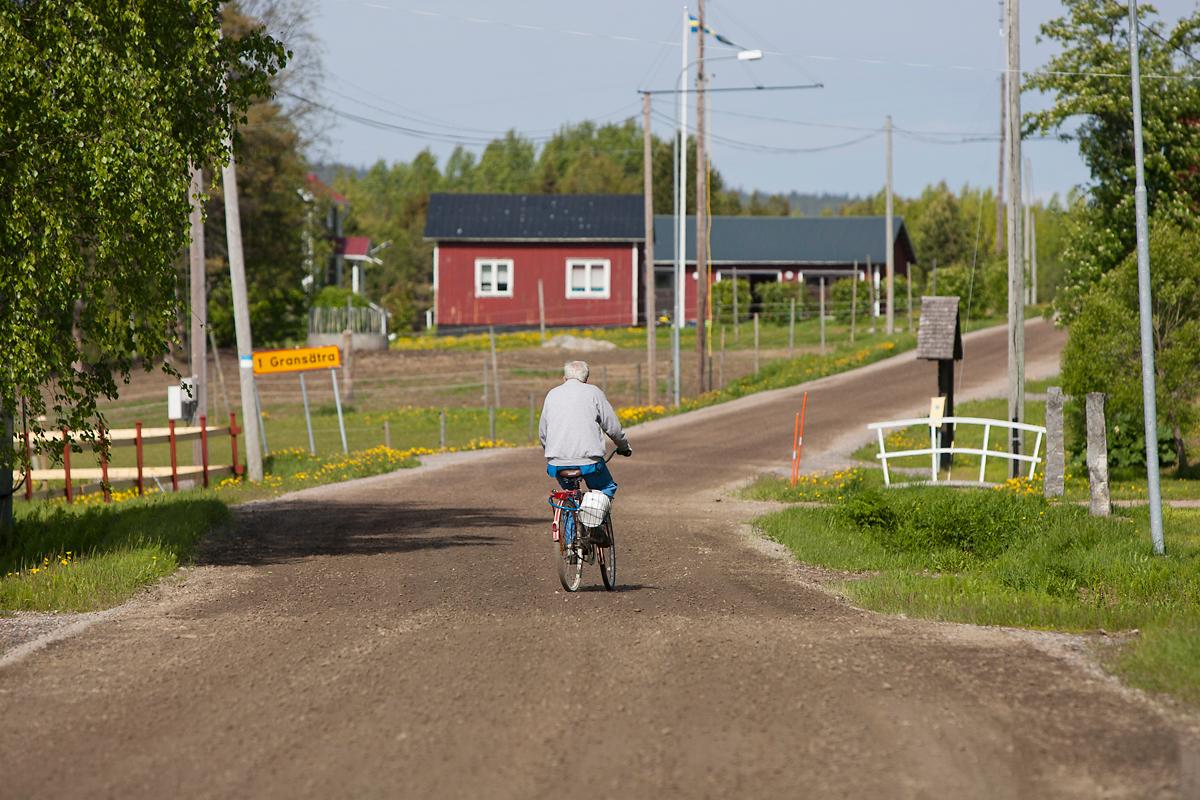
column 570, row 557
column 607, row 557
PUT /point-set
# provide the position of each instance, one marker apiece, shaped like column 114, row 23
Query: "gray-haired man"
column 575, row 418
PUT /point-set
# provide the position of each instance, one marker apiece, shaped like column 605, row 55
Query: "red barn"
column 498, row 258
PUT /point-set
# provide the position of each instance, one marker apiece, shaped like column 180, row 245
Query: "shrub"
column 775, row 300
column 337, row 297
column 722, row 299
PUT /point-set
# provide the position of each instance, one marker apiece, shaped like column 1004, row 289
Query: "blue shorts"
column 595, row 475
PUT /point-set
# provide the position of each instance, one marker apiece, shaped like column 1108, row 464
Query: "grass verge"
column 1004, row 557
column 89, row 555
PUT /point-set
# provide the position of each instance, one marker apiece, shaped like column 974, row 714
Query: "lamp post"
column 680, row 274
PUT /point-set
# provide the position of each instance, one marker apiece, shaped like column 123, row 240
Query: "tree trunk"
column 1181, row 459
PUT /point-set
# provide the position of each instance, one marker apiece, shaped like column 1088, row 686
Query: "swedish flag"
column 694, row 24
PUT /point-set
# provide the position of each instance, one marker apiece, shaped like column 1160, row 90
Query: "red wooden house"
column 499, row 259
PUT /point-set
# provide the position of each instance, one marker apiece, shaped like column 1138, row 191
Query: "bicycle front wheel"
column 607, row 557
column 570, row 556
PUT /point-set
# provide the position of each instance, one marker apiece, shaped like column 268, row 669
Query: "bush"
column 722, row 299
column 775, row 300
column 842, row 293
column 1103, row 344
column 979, row 524
column 337, row 297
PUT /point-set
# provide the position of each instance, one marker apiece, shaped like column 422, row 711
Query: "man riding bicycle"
column 574, row 415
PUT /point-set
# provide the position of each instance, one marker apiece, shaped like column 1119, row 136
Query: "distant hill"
column 805, row 204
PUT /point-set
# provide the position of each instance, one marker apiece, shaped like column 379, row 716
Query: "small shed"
column 939, row 338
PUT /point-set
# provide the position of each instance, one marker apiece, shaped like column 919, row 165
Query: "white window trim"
column 606, row 294
column 479, row 262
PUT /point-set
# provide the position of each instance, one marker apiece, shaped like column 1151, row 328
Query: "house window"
column 588, row 278
column 493, row 277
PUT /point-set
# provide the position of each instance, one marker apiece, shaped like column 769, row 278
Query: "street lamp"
column 681, row 199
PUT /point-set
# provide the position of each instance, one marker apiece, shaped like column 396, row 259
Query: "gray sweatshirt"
column 573, row 416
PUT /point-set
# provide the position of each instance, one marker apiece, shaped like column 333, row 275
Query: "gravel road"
column 406, row 636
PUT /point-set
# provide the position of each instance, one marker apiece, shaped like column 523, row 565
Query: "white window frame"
column 605, row 265
column 494, row 262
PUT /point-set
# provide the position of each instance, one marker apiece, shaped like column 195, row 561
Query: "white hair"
column 577, row 370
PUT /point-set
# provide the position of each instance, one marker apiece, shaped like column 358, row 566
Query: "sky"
column 440, row 72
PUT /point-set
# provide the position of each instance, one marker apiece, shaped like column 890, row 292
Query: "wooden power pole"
column 241, row 321
column 701, row 210
column 997, row 246
column 198, row 339
column 890, row 239
column 648, row 251
column 1016, row 266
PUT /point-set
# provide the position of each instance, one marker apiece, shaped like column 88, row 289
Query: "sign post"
column 305, row 359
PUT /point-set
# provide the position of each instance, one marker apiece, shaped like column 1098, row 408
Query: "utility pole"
column 648, row 250
column 1028, row 229
column 889, row 240
column 241, row 319
column 1000, row 170
column 199, row 306
column 1145, row 308
column 1016, row 267
column 681, row 233
column 701, row 209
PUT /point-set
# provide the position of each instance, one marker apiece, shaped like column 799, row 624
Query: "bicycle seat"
column 573, row 472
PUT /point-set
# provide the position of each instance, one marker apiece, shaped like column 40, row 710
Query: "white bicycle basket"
column 594, row 507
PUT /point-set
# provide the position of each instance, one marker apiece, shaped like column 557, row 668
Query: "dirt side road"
column 404, row 636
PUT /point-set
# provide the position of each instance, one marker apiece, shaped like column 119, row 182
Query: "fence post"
column 637, row 395
column 492, row 423
column 387, row 434
column 756, row 344
column 737, row 332
column 1054, row 481
column 542, row 309
column 1097, row 455
column 442, row 430
column 908, row 284
column 67, row 462
column 495, row 367
column 137, row 441
column 104, row 487
column 533, row 416
column 792, row 330
column 822, row 311
column 204, row 450
column 28, row 467
column 721, row 362
column 233, row 434
column 853, row 302
column 174, row 458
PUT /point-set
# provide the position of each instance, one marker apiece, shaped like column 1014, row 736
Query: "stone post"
column 1097, row 455
column 1055, row 469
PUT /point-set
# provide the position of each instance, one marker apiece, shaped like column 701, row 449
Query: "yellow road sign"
column 300, row 359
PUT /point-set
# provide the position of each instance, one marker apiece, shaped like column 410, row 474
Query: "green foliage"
column 775, row 299
column 844, row 295
column 84, row 558
column 722, row 299
column 1092, row 104
column 1103, row 347
column 106, row 106
column 337, row 297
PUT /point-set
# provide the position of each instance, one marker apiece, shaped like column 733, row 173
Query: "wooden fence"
column 137, row 437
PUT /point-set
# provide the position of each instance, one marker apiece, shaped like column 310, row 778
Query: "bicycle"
column 575, row 546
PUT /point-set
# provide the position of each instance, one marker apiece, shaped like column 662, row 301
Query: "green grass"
column 999, row 557
column 772, row 336
column 83, row 558
column 1124, row 483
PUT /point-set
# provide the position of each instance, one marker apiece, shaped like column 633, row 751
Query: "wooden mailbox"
column 939, row 338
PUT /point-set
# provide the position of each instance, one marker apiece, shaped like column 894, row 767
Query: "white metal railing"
column 935, row 449
column 366, row 319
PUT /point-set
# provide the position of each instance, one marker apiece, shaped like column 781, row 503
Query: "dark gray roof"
column 785, row 240
column 939, row 336
column 535, row 217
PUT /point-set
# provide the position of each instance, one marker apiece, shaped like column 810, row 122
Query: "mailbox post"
column 939, row 338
